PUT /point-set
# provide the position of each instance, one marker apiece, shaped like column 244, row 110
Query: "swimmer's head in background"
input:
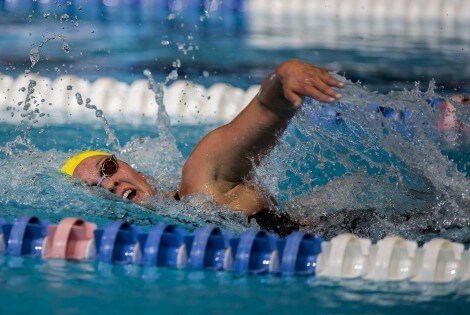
column 71, row 163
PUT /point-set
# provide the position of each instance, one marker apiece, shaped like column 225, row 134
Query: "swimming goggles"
column 109, row 167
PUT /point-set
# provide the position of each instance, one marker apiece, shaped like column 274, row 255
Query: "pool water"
column 355, row 171
column 31, row 286
column 32, row 185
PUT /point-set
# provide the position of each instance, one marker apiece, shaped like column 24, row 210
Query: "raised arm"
column 225, row 156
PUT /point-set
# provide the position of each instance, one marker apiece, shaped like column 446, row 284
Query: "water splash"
column 345, row 167
column 112, row 139
column 207, row 10
column 163, row 120
column 28, row 109
column 159, row 157
column 44, row 192
column 342, row 167
column 34, row 55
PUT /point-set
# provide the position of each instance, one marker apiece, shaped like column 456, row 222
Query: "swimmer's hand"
column 292, row 81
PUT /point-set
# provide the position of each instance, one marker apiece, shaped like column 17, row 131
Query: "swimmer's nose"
column 111, row 187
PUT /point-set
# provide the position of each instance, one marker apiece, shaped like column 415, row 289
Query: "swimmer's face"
column 126, row 182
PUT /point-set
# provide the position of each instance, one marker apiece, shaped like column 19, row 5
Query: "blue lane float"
column 117, row 243
column 253, row 252
column 164, row 246
column 2, row 242
column 257, row 253
column 210, row 249
column 300, row 254
column 25, row 236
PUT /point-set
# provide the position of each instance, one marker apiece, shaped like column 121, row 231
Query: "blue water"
column 57, row 287
column 366, row 170
column 33, row 186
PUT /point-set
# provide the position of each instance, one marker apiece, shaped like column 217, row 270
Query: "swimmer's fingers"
column 309, row 84
column 329, row 80
column 321, row 91
column 294, row 98
column 327, row 95
column 302, row 79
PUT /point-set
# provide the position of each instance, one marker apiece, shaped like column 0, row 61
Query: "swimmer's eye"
column 108, row 168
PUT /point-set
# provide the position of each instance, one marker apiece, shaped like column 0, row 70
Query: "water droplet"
column 69, row 87
column 176, row 64
column 34, row 56
column 99, row 113
column 64, row 17
column 79, row 98
column 205, row 74
column 173, row 75
column 147, row 72
column 69, row 3
column 65, row 47
column 165, row 42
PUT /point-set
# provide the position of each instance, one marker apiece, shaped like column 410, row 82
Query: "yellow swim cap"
column 71, row 163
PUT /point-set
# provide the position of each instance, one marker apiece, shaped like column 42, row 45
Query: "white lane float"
column 65, row 99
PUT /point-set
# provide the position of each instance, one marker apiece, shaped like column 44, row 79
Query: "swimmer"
column 222, row 161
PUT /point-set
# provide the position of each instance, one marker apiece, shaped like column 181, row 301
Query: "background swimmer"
column 449, row 120
column 222, row 162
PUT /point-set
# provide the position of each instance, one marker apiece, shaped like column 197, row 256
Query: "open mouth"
column 129, row 194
